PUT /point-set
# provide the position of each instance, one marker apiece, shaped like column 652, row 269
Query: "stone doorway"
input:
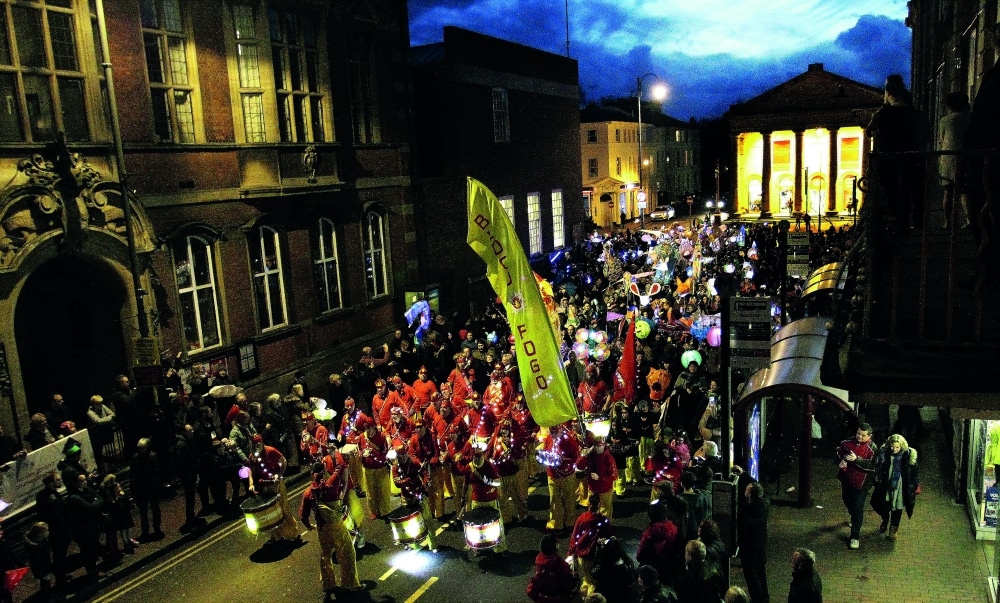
column 68, row 328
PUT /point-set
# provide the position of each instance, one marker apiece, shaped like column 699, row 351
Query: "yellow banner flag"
column 492, row 237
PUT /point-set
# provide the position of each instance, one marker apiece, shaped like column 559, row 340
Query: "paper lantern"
column 715, row 336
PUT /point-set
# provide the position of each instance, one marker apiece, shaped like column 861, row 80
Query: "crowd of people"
column 444, row 424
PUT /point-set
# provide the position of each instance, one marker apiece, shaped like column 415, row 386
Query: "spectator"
column 806, row 585
column 101, row 427
column 752, row 527
column 145, row 476
column 87, row 521
column 52, row 509
column 38, row 432
column 651, row 589
column 118, row 510
column 553, row 580
column 701, row 580
column 36, row 544
column 658, row 545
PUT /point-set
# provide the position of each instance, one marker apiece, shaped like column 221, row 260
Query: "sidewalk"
column 935, row 560
column 172, row 512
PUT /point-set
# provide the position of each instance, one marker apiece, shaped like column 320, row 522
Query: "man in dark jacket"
column 145, row 476
column 186, row 468
column 752, row 527
column 87, row 522
column 553, row 580
column 51, row 507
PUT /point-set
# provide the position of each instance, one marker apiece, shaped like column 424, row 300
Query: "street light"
column 659, row 93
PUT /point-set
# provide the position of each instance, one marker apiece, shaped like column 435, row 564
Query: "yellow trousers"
column 289, row 527
column 378, row 486
column 562, row 502
column 511, row 501
column 335, row 541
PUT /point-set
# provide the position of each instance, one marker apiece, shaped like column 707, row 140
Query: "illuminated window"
column 376, row 264
column 268, row 285
column 170, row 82
column 194, row 269
column 558, row 227
column 248, row 64
column 534, row 223
column 41, row 83
column 501, row 116
column 296, row 63
column 507, row 203
column 326, row 266
column 362, row 83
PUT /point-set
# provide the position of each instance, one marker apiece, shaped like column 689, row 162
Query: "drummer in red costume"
column 507, row 448
column 423, row 449
column 373, row 448
column 482, row 483
column 462, row 376
column 379, row 401
column 457, row 435
column 267, row 468
column 600, row 471
column 350, row 433
column 315, row 438
column 590, row 527
column 400, row 395
column 337, row 467
column 499, row 393
column 423, row 388
column 410, row 477
column 399, row 427
column 479, row 419
column 560, row 449
column 593, row 396
column 324, row 496
column 530, row 468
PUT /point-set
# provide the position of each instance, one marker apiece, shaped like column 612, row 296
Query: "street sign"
column 641, row 197
column 797, row 255
column 749, row 332
column 642, row 205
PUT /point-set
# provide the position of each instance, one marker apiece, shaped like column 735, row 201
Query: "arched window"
column 197, row 290
column 376, row 242
column 326, row 266
column 268, row 284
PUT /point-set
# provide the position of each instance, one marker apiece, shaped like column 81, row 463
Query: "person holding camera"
column 856, row 470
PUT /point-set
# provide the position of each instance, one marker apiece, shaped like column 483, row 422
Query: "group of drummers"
column 431, row 444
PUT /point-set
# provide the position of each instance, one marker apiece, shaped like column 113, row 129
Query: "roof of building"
column 814, row 90
column 594, row 113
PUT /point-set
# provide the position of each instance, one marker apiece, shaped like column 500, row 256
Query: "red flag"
column 627, row 368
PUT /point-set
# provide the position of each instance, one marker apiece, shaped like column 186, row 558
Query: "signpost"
column 797, row 255
column 749, row 332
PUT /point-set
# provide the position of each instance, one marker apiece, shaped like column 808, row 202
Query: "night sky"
column 710, row 53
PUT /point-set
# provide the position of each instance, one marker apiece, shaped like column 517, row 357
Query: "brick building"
column 507, row 115
column 264, row 145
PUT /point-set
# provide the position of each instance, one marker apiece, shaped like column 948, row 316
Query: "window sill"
column 276, row 333
column 334, row 315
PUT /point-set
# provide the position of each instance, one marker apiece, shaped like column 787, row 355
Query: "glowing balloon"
column 601, row 352
column 581, row 349
column 598, row 337
column 582, row 335
column 642, row 329
column 715, row 337
column 690, row 356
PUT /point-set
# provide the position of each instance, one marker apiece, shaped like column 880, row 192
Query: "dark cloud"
column 700, row 86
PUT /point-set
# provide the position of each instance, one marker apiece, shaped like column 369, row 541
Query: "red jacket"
column 373, row 450
column 483, row 479
column 658, row 547
column 564, row 453
column 603, row 464
column 860, row 472
column 588, row 529
column 553, row 580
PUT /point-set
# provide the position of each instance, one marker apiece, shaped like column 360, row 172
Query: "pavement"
column 935, row 559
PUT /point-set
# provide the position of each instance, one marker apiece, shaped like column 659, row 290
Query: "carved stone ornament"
column 309, row 160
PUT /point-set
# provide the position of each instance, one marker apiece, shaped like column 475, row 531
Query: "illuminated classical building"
column 800, row 146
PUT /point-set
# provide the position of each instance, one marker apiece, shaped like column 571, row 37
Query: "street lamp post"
column 659, row 93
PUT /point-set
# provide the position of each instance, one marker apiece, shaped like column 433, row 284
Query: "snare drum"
column 349, row 450
column 483, row 528
column 261, row 513
column 407, row 525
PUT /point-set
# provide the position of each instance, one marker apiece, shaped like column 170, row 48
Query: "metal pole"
column 140, row 306
column 638, row 96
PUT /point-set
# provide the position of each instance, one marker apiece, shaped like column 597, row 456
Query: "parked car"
column 663, row 212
